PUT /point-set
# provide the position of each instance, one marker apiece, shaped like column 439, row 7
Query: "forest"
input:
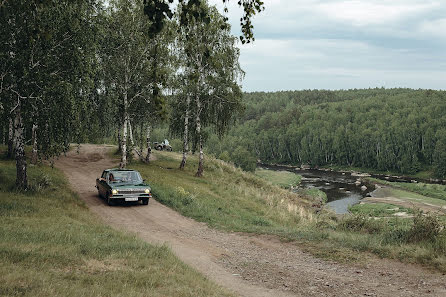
column 397, row 130
column 85, row 71
column 104, row 71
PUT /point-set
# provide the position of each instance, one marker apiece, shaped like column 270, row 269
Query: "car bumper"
column 130, row 197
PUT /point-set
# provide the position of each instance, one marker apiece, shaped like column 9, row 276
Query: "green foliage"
column 224, row 156
column 244, row 159
column 361, row 223
column 398, row 130
column 158, row 10
column 426, row 227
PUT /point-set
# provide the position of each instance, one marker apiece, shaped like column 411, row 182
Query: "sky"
column 337, row 44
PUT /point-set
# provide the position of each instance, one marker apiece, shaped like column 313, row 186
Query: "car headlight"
column 147, row 191
column 114, row 192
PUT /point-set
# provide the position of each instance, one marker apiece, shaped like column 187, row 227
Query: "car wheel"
column 145, row 201
column 109, row 201
column 169, row 149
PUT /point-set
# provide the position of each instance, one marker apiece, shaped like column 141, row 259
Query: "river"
column 343, row 189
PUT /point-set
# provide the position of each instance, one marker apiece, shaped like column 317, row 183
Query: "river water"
column 342, row 188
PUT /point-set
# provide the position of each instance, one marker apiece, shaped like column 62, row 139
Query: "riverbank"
column 425, row 197
column 229, row 199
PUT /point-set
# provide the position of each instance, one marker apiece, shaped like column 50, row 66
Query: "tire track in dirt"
column 248, row 265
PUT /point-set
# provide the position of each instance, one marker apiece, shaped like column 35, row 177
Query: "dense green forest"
column 399, row 130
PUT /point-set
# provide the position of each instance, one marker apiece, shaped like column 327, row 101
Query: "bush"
column 360, row 223
column 244, row 159
column 425, row 228
column 224, row 156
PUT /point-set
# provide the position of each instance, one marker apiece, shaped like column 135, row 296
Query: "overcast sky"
column 337, row 44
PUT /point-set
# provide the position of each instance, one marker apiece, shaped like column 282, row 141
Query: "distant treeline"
column 386, row 129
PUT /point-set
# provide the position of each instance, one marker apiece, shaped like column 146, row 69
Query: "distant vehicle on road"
column 123, row 185
column 163, row 146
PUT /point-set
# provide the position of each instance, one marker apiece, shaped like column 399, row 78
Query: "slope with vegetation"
column 51, row 245
column 230, row 199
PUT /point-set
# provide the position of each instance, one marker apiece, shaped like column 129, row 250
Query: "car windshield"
column 132, row 177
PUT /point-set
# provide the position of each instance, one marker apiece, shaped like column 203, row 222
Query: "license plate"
column 131, row 199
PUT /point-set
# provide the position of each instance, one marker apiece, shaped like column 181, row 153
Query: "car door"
column 103, row 184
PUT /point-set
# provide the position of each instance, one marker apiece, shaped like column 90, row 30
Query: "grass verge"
column 52, row 245
column 283, row 179
column 429, row 190
column 425, row 173
column 229, row 199
column 379, row 209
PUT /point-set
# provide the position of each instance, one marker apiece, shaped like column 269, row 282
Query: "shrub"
column 244, row 159
column 425, row 228
column 360, row 223
column 224, row 156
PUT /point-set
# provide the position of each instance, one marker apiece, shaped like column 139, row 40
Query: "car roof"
column 117, row 169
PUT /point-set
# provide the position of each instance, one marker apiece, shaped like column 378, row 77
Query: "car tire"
column 145, row 201
column 109, row 201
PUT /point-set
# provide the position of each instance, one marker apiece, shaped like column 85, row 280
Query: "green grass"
column 425, row 190
column 287, row 179
column 284, row 179
column 229, row 199
column 52, row 245
column 226, row 197
column 425, row 173
column 378, row 209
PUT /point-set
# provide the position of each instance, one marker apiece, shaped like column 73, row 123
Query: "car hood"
column 130, row 186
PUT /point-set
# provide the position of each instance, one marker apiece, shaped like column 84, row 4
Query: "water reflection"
column 342, row 189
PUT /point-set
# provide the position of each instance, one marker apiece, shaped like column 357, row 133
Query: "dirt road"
column 247, row 265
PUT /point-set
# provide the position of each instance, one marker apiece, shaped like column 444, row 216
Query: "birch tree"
column 43, row 43
column 129, row 62
column 211, row 73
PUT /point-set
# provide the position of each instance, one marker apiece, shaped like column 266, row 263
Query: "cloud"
column 303, row 44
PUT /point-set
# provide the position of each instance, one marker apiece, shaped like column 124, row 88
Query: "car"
column 163, row 146
column 123, row 185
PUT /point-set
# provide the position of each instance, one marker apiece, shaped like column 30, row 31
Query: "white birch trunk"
column 186, row 134
column 200, row 143
column 123, row 163
column 132, row 142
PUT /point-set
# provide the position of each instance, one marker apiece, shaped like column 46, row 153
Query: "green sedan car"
column 123, row 185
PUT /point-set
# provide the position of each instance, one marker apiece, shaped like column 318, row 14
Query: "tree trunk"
column 200, row 143
column 11, row 139
column 123, row 163
column 19, row 150
column 34, row 142
column 119, row 141
column 186, row 132
column 132, row 143
column 149, row 146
